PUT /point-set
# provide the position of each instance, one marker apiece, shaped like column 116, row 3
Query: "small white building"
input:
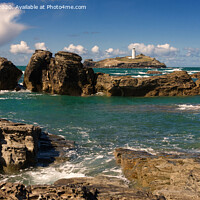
column 133, row 53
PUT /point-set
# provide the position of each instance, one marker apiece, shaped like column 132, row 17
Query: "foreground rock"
column 18, row 145
column 178, row 83
column 99, row 188
column 9, row 75
column 24, row 145
column 63, row 74
column 141, row 61
column 175, row 177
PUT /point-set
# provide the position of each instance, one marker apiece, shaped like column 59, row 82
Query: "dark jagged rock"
column 141, row 61
column 24, row 145
column 52, row 149
column 178, row 83
column 63, row 74
column 9, row 75
column 174, row 176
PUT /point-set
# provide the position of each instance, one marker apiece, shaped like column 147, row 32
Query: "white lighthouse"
column 133, row 53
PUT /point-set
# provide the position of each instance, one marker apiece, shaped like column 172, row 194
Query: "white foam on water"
column 120, row 73
column 141, row 72
column 194, row 71
column 173, row 70
column 99, row 94
column 49, row 175
column 139, row 76
column 148, row 150
column 100, row 156
column 188, row 107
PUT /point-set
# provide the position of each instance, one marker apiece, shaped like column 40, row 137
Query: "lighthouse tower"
column 133, row 53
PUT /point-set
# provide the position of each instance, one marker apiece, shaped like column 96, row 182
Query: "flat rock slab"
column 177, row 177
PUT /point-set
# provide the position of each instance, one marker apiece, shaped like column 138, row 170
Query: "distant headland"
column 140, row 61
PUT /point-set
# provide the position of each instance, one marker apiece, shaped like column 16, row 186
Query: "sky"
column 168, row 30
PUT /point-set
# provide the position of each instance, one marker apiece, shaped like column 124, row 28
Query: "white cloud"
column 9, row 28
column 110, row 50
column 115, row 52
column 79, row 49
column 152, row 50
column 40, row 45
column 95, row 49
column 21, row 48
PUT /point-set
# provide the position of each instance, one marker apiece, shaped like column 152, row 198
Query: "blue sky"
column 166, row 29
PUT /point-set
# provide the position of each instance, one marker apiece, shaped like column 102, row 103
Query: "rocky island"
column 141, row 61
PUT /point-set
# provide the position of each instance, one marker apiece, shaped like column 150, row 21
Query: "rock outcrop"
column 99, row 188
column 18, row 145
column 66, row 75
column 63, row 74
column 153, row 72
column 141, row 61
column 177, row 177
column 9, row 75
column 178, row 83
column 195, row 75
column 24, row 145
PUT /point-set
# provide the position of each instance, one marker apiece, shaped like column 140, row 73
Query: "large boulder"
column 177, row 177
column 63, row 74
column 9, row 75
column 18, row 145
column 178, row 83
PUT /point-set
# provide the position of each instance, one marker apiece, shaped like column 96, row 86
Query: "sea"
column 99, row 124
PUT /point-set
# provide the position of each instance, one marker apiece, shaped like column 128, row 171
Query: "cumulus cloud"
column 79, row 49
column 95, row 49
column 21, row 48
column 40, row 45
column 115, row 52
column 152, row 50
column 9, row 28
column 110, row 50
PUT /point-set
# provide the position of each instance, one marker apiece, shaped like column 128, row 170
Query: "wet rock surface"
column 176, row 177
column 62, row 74
column 9, row 75
column 178, row 83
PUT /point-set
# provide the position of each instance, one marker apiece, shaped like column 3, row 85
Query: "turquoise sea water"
column 100, row 124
